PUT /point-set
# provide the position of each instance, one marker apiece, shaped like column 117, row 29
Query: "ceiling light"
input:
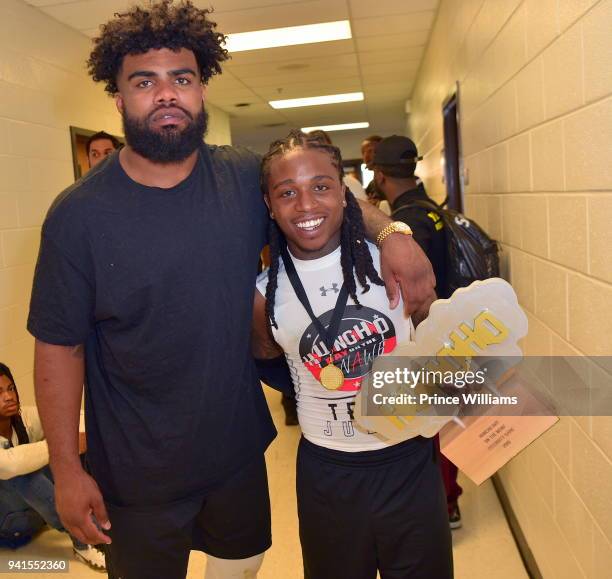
column 344, row 127
column 318, row 100
column 289, row 36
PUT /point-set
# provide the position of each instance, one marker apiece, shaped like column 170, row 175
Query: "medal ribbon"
column 330, row 334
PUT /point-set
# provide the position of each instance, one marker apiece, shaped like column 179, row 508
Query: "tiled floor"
column 483, row 548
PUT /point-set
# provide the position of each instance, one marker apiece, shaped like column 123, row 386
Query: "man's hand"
column 406, row 269
column 77, row 498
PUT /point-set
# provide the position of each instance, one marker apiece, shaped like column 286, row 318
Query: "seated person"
column 26, row 487
column 365, row 504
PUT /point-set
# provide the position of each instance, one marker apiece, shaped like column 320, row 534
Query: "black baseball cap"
column 396, row 151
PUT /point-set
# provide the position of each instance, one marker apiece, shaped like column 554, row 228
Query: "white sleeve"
column 262, row 282
column 385, row 207
column 31, row 420
column 355, row 187
column 26, row 458
column 23, row 459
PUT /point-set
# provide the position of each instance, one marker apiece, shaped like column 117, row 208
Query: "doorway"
column 452, row 153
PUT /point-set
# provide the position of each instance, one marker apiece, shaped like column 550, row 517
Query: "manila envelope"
column 486, row 443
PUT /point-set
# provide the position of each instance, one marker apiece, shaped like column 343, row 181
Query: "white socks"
column 233, row 568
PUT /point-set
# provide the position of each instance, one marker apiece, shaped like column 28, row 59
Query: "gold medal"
column 331, row 377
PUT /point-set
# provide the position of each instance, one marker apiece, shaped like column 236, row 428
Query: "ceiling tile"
column 226, row 79
column 389, row 90
column 280, row 16
column 294, row 67
column 392, row 69
column 385, row 42
column 231, row 5
column 321, row 78
column 284, row 53
column 413, row 54
column 228, row 99
column 39, row 3
column 402, row 23
column 300, row 89
column 327, row 114
column 365, row 8
column 373, row 78
column 259, row 111
column 87, row 14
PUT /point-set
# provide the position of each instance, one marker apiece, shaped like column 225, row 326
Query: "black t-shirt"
column 427, row 229
column 158, row 284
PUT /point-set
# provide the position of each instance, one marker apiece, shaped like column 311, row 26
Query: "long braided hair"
column 16, row 421
column 355, row 257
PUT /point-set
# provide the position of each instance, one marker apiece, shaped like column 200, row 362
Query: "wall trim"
column 524, row 550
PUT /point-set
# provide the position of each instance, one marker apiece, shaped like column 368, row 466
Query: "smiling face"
column 306, row 197
column 161, row 101
column 9, row 402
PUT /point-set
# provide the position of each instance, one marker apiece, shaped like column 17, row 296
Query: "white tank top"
column 326, row 416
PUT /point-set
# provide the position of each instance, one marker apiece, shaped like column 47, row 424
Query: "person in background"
column 26, row 488
column 99, row 146
column 394, row 164
column 368, row 147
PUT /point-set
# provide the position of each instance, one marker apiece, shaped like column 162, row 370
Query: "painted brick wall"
column 536, row 112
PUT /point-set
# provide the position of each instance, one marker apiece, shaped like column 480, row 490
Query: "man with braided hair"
column 365, row 504
column 143, row 288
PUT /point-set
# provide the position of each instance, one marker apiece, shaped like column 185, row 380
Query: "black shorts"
column 379, row 510
column 230, row 522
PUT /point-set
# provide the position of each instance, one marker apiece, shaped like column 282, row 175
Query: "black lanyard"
column 330, row 334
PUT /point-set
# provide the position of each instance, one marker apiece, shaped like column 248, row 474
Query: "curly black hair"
column 164, row 25
column 355, row 257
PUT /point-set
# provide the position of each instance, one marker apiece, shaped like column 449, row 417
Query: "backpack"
column 470, row 253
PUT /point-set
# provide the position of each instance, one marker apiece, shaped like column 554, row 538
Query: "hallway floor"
column 483, row 548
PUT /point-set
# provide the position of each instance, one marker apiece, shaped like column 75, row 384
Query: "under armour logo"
column 333, row 288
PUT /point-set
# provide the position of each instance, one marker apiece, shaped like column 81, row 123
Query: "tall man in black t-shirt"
column 143, row 290
column 395, row 161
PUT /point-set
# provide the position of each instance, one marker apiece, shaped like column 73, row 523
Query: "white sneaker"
column 92, row 556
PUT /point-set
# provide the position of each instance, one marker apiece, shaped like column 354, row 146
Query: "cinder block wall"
column 44, row 88
column 536, row 117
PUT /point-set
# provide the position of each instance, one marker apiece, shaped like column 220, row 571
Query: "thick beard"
column 166, row 145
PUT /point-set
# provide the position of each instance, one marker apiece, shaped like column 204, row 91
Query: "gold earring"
column 271, row 215
column 344, row 203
